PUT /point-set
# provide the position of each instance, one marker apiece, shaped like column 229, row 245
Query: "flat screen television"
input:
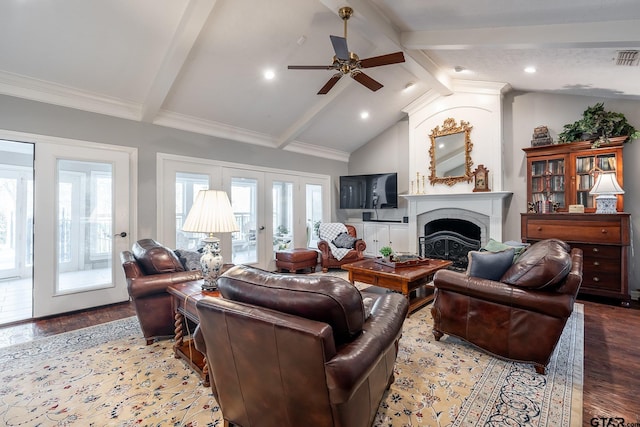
column 374, row 191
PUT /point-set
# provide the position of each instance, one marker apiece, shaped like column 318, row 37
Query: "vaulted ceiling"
column 198, row 65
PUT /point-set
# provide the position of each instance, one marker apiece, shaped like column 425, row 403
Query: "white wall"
column 480, row 105
column 385, row 153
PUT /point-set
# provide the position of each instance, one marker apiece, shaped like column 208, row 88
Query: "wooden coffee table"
column 411, row 281
column 184, row 297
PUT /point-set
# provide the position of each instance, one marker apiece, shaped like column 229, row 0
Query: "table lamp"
column 606, row 187
column 211, row 213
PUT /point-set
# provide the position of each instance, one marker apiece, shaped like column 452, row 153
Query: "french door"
column 82, row 223
column 274, row 209
column 16, row 220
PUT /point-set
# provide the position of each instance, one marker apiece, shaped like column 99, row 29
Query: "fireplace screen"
column 450, row 246
column 450, row 239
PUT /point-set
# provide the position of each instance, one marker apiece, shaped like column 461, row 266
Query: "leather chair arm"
column 130, row 265
column 551, row 303
column 323, row 246
column 354, row 362
column 360, row 245
column 157, row 283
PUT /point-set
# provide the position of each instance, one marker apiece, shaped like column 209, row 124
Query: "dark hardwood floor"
column 611, row 355
column 30, row 330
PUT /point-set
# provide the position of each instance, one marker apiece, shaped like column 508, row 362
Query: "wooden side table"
column 184, row 297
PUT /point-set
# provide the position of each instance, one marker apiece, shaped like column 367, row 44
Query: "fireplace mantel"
column 489, row 205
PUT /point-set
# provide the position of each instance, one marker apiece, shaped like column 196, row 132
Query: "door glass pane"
column 244, row 202
column 16, row 231
column 187, row 187
column 282, row 215
column 85, row 225
column 314, row 213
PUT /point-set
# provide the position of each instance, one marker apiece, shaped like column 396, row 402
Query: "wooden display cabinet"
column 564, row 173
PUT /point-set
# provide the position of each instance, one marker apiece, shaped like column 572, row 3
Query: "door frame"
column 39, row 216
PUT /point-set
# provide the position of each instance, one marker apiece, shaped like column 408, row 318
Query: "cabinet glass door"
column 586, row 173
column 547, row 182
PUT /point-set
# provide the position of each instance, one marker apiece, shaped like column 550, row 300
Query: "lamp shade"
column 606, row 183
column 211, row 213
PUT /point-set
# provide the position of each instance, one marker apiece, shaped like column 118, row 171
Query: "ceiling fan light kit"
column 345, row 62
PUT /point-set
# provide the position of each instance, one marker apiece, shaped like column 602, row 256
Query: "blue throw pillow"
column 344, row 240
column 489, row 265
column 190, row 260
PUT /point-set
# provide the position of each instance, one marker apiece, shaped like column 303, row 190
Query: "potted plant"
column 386, row 252
column 598, row 125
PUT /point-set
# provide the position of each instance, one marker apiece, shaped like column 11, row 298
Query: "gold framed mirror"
column 451, row 153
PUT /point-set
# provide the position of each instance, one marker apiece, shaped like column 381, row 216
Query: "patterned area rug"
column 106, row 376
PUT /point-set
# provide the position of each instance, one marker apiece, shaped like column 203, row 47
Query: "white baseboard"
column 635, row 295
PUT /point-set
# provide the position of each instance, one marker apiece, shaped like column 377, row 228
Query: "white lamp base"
column 211, row 263
column 606, row 204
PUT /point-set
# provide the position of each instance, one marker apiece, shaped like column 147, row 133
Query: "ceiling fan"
column 346, row 62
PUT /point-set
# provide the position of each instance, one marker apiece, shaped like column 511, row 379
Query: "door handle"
column 261, row 228
column 123, row 234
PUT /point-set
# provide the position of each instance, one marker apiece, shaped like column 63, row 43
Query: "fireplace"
column 482, row 210
column 450, row 239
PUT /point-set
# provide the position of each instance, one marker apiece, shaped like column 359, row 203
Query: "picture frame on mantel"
column 481, row 179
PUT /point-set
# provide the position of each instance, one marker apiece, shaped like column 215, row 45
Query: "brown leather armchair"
column 149, row 268
column 327, row 260
column 291, row 351
column 518, row 318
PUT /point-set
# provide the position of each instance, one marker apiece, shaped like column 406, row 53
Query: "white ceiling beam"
column 620, row 34
column 304, row 121
column 191, row 24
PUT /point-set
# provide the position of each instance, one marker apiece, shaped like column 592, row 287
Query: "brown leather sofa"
column 290, row 351
column 520, row 317
column 149, row 268
column 327, row 260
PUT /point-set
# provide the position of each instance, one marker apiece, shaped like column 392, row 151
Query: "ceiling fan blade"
column 310, row 67
column 376, row 61
column 340, row 47
column 367, row 81
column 331, row 83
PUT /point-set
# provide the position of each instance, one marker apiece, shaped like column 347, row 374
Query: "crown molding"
column 224, row 131
column 65, row 96
column 481, row 87
column 317, row 151
column 208, row 127
column 423, row 100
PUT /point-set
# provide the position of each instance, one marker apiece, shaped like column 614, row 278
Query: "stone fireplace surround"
column 485, row 209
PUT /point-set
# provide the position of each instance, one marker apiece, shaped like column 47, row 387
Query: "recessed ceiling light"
column 409, row 86
column 269, row 74
column 364, row 115
column 530, row 70
column 459, row 69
